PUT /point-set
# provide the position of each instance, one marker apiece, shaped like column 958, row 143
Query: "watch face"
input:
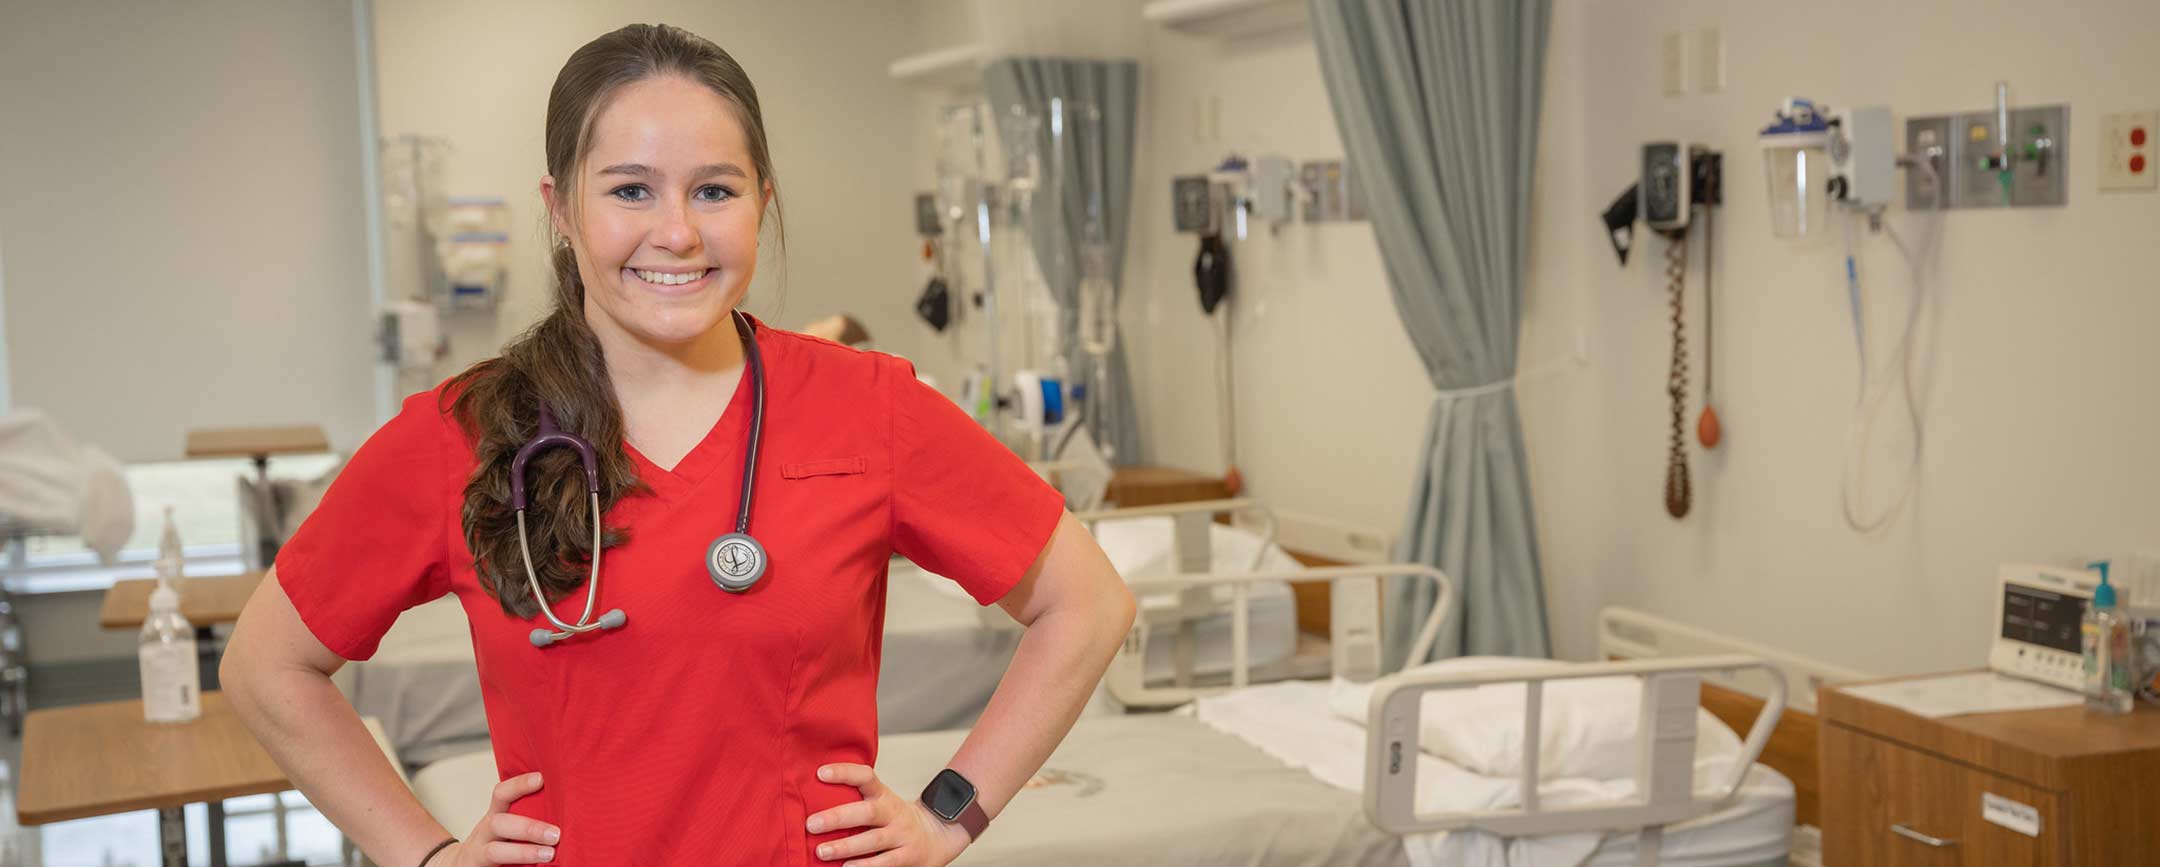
column 948, row 794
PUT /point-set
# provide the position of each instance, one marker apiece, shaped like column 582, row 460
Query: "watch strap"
column 972, row 818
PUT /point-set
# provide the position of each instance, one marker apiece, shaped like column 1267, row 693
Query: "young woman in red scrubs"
column 709, row 722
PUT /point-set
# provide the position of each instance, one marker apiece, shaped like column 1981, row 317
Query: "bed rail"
column 1665, row 738
column 1355, row 630
column 1192, row 551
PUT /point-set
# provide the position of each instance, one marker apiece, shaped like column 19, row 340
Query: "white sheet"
column 1291, row 722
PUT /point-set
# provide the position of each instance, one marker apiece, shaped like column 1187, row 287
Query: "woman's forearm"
column 1054, row 671
column 314, row 734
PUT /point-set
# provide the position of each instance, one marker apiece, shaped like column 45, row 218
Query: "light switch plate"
column 2127, row 145
column 1676, row 83
column 1710, row 60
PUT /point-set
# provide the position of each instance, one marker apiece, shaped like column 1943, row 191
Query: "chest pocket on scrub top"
column 836, row 467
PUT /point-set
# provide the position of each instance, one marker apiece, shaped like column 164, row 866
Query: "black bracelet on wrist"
column 438, row 848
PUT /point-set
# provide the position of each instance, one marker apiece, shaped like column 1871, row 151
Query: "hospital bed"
column 424, row 684
column 1273, row 775
column 1276, row 775
column 930, row 617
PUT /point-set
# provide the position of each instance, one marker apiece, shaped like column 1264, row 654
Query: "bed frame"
column 1793, row 749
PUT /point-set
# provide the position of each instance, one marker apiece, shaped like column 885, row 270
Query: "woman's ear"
column 554, row 209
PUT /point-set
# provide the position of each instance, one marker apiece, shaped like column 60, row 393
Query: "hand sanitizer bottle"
column 2106, row 641
column 171, row 682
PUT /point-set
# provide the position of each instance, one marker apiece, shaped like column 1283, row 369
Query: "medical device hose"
column 1868, row 403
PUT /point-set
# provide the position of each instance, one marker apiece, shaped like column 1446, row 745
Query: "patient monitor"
column 2037, row 612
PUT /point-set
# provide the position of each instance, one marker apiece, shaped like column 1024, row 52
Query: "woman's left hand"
column 901, row 831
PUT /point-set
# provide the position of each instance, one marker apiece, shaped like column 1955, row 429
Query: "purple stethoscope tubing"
column 735, row 561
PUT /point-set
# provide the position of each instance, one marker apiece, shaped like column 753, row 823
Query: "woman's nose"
column 675, row 231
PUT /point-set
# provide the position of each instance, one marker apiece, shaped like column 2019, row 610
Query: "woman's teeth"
column 663, row 279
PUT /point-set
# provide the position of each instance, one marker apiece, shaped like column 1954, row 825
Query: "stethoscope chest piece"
column 736, row 561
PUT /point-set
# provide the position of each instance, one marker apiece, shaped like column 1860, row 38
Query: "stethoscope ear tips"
column 542, row 638
column 614, row 619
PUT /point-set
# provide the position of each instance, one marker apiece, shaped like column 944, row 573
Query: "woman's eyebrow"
column 644, row 171
column 729, row 169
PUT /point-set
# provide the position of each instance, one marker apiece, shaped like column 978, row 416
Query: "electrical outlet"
column 1676, row 83
column 2127, row 143
column 1710, row 60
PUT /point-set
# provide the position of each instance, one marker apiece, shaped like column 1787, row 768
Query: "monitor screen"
column 2042, row 617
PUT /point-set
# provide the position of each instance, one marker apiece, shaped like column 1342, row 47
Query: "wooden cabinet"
column 1155, row 486
column 2048, row 788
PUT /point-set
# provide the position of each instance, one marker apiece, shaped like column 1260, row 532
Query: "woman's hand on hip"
column 900, row 831
column 503, row 837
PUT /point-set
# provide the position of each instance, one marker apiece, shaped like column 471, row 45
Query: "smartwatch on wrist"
column 952, row 798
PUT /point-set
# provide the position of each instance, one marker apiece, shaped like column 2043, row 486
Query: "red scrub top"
column 693, row 734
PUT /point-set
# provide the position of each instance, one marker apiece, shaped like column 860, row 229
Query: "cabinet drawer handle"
column 1918, row 837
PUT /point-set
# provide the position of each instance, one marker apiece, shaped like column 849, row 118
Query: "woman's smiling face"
column 665, row 211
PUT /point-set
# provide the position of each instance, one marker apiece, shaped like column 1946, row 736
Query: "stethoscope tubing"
column 549, row 437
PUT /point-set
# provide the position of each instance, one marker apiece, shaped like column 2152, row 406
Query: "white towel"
column 50, row 482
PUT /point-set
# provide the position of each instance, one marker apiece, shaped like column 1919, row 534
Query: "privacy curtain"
column 1056, row 233
column 1437, row 102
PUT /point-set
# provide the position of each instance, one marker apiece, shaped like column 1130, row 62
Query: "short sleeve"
column 963, row 505
column 378, row 542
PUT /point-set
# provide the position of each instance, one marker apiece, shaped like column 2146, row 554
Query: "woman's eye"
column 630, row 192
column 714, row 193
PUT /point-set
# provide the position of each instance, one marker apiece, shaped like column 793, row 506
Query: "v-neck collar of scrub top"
column 723, row 444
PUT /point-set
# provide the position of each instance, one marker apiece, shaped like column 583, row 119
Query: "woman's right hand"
column 503, row 837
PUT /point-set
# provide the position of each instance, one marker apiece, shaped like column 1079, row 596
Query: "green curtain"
column 1029, row 83
column 1437, row 103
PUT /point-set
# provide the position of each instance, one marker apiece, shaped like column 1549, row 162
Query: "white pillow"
column 1587, row 726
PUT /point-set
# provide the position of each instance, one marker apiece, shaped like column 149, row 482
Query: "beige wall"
column 180, row 192
column 1330, row 397
column 477, row 72
column 2039, row 421
column 2040, row 424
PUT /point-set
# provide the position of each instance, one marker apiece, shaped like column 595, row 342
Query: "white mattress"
column 424, row 686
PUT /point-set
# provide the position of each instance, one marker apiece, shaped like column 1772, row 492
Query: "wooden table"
column 100, row 759
column 1902, row 789
column 258, row 443
column 1154, row 486
column 204, row 601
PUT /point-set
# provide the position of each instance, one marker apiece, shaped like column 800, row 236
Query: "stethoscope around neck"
column 735, row 560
